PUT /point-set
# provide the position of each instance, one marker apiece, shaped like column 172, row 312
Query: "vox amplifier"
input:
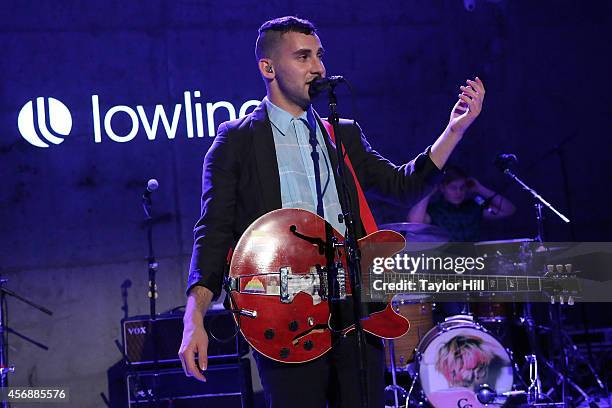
column 149, row 341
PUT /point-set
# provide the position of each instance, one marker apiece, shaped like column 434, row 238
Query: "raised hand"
column 468, row 107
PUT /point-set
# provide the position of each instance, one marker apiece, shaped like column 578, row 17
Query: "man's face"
column 297, row 62
column 455, row 191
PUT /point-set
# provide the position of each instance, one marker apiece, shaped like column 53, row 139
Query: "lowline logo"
column 44, row 123
column 48, row 121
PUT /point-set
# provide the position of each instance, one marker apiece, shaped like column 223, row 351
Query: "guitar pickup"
column 285, row 271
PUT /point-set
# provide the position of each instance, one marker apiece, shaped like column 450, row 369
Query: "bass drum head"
column 458, row 356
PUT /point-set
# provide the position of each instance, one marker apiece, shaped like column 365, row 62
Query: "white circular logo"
column 59, row 122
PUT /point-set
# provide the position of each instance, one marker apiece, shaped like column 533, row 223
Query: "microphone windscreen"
column 152, row 185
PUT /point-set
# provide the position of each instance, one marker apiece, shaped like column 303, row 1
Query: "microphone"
column 505, row 160
column 152, row 185
column 487, row 395
column 319, row 85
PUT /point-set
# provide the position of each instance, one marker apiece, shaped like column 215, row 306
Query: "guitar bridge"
column 292, row 284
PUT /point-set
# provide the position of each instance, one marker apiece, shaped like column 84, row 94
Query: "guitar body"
column 276, row 270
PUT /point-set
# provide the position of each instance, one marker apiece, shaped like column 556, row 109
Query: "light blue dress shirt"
column 295, row 165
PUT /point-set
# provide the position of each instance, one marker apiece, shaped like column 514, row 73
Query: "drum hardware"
column 561, row 379
column 414, row 381
column 527, row 321
column 418, row 310
column 562, row 343
column 574, row 352
column 396, row 389
column 535, row 387
column 494, row 393
column 487, row 395
column 497, row 314
column 539, row 203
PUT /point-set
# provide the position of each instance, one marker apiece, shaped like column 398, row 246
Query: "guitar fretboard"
column 422, row 283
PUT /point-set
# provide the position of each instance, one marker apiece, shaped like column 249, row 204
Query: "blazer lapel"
column 267, row 164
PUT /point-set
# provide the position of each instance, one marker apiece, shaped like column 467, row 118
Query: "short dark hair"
column 271, row 31
column 453, row 173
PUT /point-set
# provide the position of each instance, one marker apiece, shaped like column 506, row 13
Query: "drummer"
column 461, row 205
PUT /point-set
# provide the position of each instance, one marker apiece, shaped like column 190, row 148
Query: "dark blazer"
column 240, row 183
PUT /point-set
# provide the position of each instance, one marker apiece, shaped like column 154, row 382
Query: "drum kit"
column 465, row 359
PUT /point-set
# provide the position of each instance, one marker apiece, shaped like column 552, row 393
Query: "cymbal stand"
column 414, row 381
column 535, row 386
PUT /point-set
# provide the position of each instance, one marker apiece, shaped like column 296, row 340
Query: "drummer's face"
column 454, row 192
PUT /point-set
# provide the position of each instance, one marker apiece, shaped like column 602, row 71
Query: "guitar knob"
column 568, row 268
column 559, row 269
column 552, row 300
column 560, row 300
column 310, row 321
column 550, row 269
column 269, row 334
column 284, row 353
column 570, row 301
column 293, row 325
column 308, row 345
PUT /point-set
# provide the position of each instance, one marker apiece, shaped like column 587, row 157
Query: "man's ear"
column 266, row 68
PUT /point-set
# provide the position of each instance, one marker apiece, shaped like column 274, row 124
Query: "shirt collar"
column 281, row 119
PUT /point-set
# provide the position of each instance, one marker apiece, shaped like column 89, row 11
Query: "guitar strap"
column 369, row 224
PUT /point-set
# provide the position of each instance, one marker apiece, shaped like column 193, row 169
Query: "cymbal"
column 417, row 232
column 505, row 241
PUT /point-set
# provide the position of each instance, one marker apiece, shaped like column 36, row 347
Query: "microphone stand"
column 539, row 203
column 152, row 263
column 351, row 248
column 152, row 293
column 5, row 369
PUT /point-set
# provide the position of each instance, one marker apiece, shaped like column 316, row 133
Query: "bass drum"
column 456, row 358
column 418, row 310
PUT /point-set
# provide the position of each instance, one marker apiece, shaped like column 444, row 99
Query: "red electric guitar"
column 279, row 283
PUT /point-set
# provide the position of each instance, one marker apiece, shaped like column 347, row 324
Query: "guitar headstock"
column 561, row 284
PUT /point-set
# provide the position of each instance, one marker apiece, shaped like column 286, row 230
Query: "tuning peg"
column 570, row 301
column 568, row 268
column 552, row 300
column 559, row 268
column 561, row 299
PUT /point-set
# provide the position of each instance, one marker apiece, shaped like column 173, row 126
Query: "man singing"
column 281, row 156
